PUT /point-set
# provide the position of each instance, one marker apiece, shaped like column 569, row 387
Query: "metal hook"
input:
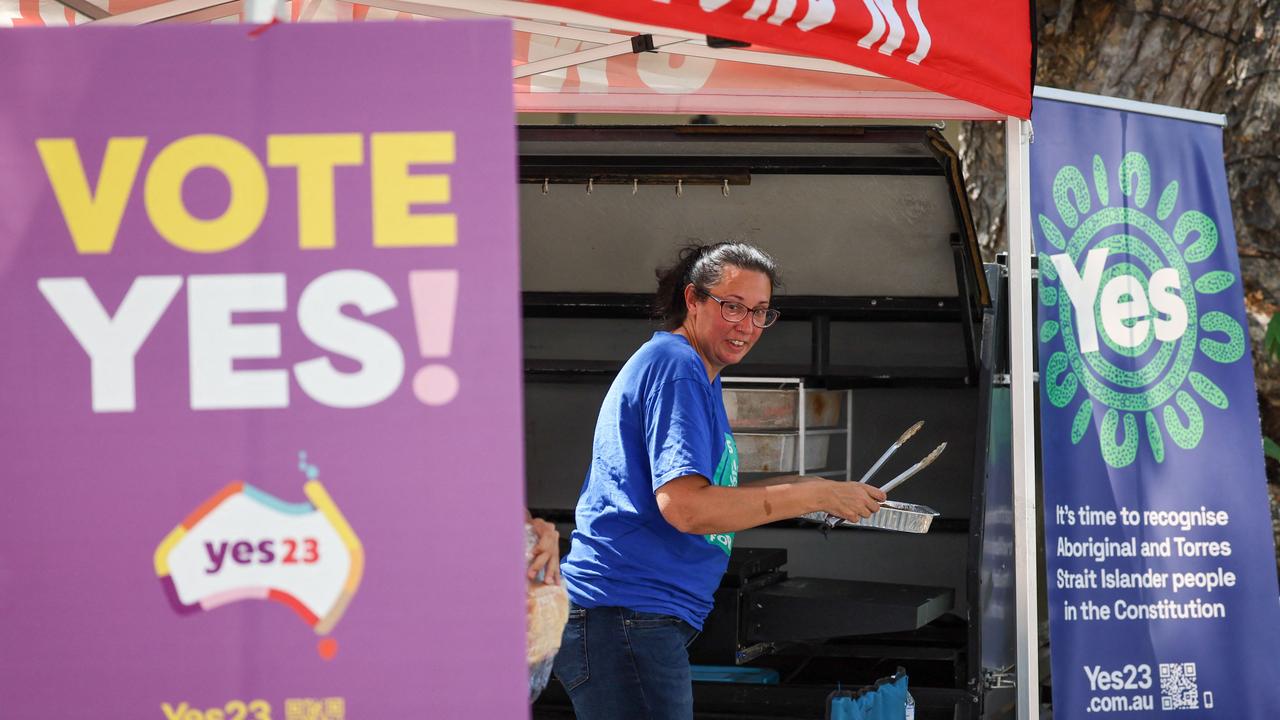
column 679, row 187
column 545, row 185
column 635, row 186
column 724, row 189
column 591, row 184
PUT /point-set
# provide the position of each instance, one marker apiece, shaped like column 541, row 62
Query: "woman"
column 661, row 502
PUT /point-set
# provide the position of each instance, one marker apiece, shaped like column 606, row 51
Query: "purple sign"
column 260, row 394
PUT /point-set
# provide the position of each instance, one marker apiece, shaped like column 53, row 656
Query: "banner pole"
column 1022, row 389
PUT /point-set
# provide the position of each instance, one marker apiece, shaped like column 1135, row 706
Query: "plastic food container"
column 756, row 409
column 777, row 452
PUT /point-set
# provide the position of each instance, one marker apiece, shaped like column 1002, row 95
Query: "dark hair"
column 703, row 265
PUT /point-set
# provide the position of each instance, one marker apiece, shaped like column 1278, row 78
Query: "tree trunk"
column 1219, row 56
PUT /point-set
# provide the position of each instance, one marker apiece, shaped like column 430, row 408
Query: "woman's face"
column 720, row 342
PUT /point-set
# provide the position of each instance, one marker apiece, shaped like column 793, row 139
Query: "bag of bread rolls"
column 548, row 611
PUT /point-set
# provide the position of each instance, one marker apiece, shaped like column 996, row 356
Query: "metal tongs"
column 832, row 520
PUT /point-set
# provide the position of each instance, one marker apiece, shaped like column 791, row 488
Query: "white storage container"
column 777, row 452
column 759, row 409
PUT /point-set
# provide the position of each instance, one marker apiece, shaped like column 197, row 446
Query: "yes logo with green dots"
column 1121, row 280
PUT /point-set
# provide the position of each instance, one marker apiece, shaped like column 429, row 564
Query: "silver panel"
column 834, row 235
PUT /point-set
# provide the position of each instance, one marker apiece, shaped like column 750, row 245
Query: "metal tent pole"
column 1018, row 176
column 166, row 11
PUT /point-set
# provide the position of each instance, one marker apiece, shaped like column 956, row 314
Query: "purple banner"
column 260, row 395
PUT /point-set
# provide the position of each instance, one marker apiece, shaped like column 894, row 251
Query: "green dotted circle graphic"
column 1134, row 379
column 1145, row 392
column 1094, row 381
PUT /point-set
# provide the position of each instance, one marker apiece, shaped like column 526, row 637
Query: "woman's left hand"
column 546, row 552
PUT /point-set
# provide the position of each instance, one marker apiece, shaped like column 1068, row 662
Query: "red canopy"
column 924, row 59
column 980, row 52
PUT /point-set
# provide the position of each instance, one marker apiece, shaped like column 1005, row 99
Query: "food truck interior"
column 888, row 318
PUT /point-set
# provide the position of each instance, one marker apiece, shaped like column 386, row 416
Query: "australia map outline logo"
column 245, row 544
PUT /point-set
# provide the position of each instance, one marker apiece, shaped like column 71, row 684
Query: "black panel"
column 805, row 608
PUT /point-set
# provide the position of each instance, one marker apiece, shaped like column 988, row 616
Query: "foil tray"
column 893, row 515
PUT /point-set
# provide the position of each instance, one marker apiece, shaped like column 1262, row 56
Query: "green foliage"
column 1271, row 343
column 1270, row 448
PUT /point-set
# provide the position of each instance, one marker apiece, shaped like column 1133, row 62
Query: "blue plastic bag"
column 886, row 701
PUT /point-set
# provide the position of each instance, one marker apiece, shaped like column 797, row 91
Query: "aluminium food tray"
column 893, row 515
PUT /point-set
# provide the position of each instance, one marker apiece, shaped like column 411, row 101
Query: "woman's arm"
column 780, row 480
column 693, row 505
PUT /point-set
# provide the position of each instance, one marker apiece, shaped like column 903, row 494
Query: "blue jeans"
column 618, row 664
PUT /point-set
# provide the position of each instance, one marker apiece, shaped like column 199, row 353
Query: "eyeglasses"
column 735, row 311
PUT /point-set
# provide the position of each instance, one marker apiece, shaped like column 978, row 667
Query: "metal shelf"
column 838, row 377
column 777, row 431
column 819, row 312
column 800, row 429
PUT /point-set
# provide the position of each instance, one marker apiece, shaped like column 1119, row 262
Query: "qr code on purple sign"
column 1178, row 689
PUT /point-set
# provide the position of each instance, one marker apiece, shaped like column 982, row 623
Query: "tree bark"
column 1220, row 56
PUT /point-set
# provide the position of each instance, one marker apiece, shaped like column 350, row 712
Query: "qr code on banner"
column 1178, row 689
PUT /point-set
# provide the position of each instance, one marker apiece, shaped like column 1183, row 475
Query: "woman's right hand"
column 546, row 551
column 847, row 499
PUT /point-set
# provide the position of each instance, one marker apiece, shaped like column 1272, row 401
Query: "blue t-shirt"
column 661, row 420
